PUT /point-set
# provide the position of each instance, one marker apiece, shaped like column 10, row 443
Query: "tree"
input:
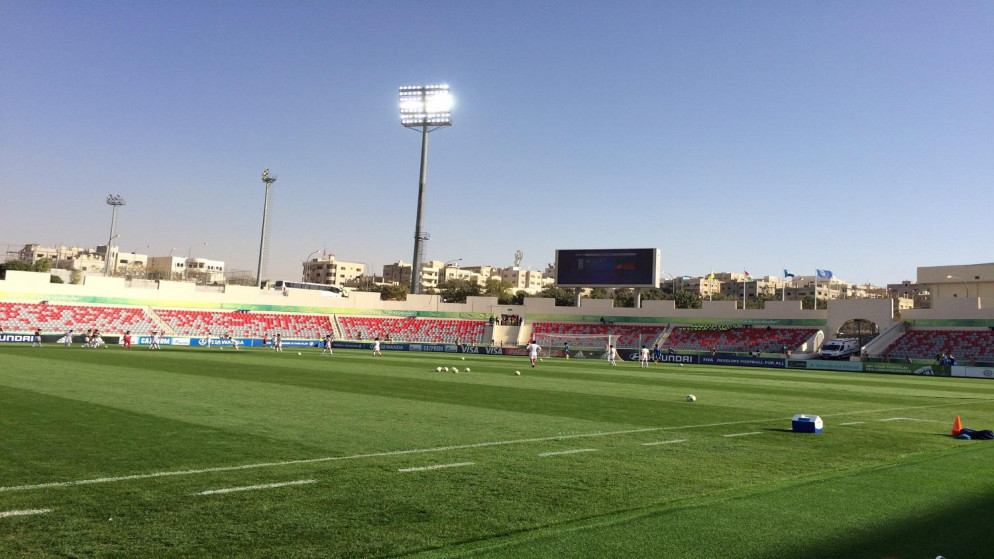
column 17, row 266
column 563, row 297
column 393, row 293
column 687, row 300
column 516, row 299
column 497, row 288
column 599, row 293
column 55, row 279
column 624, row 297
column 655, row 294
column 457, row 290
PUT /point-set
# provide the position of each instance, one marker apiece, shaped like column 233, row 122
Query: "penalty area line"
column 674, row 441
column 436, row 467
column 574, row 451
column 257, row 487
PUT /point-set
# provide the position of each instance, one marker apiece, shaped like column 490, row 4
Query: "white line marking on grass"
column 574, row 451
column 674, row 441
column 903, row 419
column 442, row 449
column 853, row 423
column 744, row 434
column 10, row 513
column 257, row 487
column 436, row 467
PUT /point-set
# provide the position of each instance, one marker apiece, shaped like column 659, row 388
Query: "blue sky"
column 851, row 136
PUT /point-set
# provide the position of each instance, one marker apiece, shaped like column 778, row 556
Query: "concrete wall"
column 32, row 287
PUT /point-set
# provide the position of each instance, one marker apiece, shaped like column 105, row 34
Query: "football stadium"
column 738, row 440
column 166, row 395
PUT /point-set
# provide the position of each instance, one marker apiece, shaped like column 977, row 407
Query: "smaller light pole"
column 113, row 200
column 303, row 269
column 965, row 285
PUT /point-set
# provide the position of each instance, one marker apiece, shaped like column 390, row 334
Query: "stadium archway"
column 863, row 318
column 860, row 328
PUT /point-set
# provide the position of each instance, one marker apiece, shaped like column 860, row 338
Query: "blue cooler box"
column 806, row 423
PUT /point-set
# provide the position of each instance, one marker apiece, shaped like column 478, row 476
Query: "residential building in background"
column 328, row 270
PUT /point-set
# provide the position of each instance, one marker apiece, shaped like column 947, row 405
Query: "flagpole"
column 744, row 292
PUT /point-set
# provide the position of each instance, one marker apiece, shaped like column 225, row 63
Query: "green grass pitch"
column 216, row 453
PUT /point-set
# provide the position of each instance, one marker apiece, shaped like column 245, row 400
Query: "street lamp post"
column 428, row 107
column 113, row 200
column 303, row 269
column 965, row 285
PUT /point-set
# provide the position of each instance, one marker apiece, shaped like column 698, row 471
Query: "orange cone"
column 957, row 427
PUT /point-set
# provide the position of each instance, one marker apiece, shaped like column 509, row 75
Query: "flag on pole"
column 787, row 273
column 824, row 274
column 747, row 276
column 711, row 275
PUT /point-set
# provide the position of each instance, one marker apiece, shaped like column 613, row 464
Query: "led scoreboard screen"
column 629, row 267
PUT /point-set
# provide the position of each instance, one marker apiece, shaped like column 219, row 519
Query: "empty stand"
column 964, row 344
column 26, row 317
column 623, row 335
column 738, row 339
column 422, row 330
column 245, row 324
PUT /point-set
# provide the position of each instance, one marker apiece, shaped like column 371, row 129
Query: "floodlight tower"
column 113, row 200
column 263, row 242
column 428, row 107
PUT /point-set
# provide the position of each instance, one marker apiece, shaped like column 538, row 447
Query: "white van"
column 842, row 348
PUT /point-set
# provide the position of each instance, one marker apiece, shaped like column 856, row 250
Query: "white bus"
column 327, row 290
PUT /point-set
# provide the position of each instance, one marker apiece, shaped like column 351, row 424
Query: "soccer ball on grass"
column 691, row 398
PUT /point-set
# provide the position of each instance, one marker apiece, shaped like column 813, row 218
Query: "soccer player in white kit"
column 376, row 348
column 533, row 349
column 644, row 358
column 612, row 356
column 278, row 343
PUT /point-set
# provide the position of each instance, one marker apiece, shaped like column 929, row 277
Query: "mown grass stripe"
column 152, row 475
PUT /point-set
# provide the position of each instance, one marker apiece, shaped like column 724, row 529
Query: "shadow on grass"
column 957, row 531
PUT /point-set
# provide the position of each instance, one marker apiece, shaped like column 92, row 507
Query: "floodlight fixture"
column 113, row 200
column 425, row 105
column 428, row 107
